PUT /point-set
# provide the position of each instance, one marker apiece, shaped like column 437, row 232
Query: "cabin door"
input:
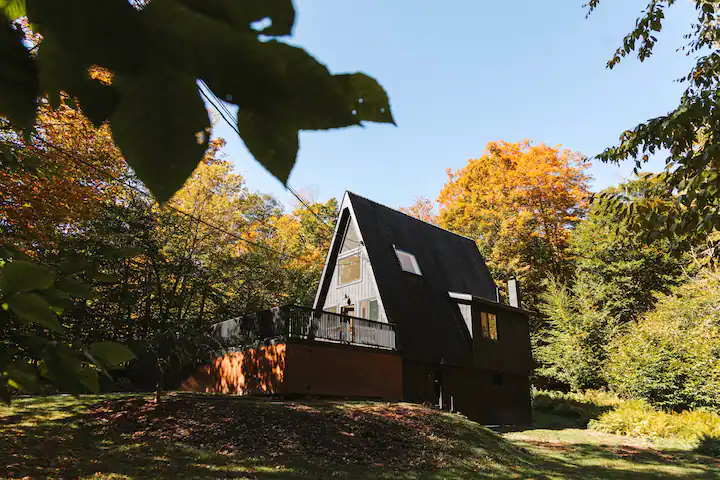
column 350, row 311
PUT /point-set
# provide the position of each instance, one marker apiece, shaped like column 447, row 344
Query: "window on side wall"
column 369, row 309
column 408, row 263
column 349, row 269
column 488, row 325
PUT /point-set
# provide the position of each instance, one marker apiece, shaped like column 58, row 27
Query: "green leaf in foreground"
column 273, row 144
column 13, row 9
column 33, row 308
column 162, row 128
column 74, row 287
column 89, row 378
column 112, row 354
column 22, row 376
column 367, row 98
column 22, row 276
column 18, row 78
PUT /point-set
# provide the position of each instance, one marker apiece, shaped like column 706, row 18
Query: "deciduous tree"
column 689, row 135
column 519, row 201
column 423, row 209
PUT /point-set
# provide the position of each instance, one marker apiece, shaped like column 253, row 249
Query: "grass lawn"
column 205, row 436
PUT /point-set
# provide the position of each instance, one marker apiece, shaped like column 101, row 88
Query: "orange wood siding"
column 255, row 371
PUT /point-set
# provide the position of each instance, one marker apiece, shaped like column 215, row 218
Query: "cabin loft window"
column 488, row 325
column 351, row 239
column 369, row 309
column 349, row 269
column 408, row 263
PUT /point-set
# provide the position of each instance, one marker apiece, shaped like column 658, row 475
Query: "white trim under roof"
column 347, row 203
column 466, row 297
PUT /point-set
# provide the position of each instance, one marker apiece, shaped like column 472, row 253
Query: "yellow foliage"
column 519, row 201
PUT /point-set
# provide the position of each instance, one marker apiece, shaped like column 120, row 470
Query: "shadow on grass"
column 201, row 436
column 597, row 461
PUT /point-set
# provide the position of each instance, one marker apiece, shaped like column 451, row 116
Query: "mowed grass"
column 206, row 436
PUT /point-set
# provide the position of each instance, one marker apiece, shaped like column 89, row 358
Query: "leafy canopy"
column 156, row 52
column 631, row 266
column 670, row 358
column 519, row 202
column 690, row 134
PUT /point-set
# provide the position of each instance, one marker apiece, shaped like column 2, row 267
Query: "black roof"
column 427, row 323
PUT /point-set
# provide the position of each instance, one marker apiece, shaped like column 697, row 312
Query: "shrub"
column 638, row 418
column 573, row 347
column 582, row 406
column 671, row 358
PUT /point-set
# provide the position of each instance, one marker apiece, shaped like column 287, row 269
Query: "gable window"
column 408, row 263
column 488, row 325
column 349, row 269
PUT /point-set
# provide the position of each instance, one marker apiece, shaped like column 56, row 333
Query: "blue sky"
column 461, row 73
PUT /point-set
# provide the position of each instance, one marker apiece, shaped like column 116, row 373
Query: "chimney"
column 514, row 292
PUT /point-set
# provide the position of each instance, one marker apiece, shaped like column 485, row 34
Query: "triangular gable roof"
column 427, row 325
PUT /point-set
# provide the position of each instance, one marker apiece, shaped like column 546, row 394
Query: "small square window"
column 408, row 263
column 488, row 325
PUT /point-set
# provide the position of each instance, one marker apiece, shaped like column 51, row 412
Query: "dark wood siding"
column 483, row 396
column 511, row 352
column 478, row 395
column 317, row 368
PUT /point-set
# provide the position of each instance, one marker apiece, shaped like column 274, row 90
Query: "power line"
column 148, row 195
column 225, row 113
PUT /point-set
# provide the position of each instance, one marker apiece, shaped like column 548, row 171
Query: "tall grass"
column 604, row 411
column 582, row 407
column 637, row 418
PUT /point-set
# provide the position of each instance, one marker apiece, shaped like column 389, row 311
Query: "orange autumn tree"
column 423, row 209
column 63, row 176
column 519, row 201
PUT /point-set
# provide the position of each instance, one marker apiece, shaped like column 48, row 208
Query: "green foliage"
column 631, row 267
column 31, row 307
column 572, row 347
column 31, row 361
column 161, row 126
column 18, row 78
column 111, row 354
column 689, row 133
column 671, row 358
column 637, row 418
column 156, row 52
column 22, row 276
column 581, row 406
column 13, row 9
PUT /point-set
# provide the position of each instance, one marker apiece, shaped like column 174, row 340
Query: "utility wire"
column 220, row 107
column 148, row 195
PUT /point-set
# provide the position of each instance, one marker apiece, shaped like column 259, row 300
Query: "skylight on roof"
column 408, row 263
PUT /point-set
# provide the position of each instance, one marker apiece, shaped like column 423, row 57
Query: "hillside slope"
column 203, row 436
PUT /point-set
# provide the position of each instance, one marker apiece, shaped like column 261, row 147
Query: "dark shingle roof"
column 426, row 323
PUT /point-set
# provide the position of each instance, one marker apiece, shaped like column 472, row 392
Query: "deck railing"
column 306, row 323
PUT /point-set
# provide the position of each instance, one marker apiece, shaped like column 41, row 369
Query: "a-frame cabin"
column 404, row 310
column 460, row 347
